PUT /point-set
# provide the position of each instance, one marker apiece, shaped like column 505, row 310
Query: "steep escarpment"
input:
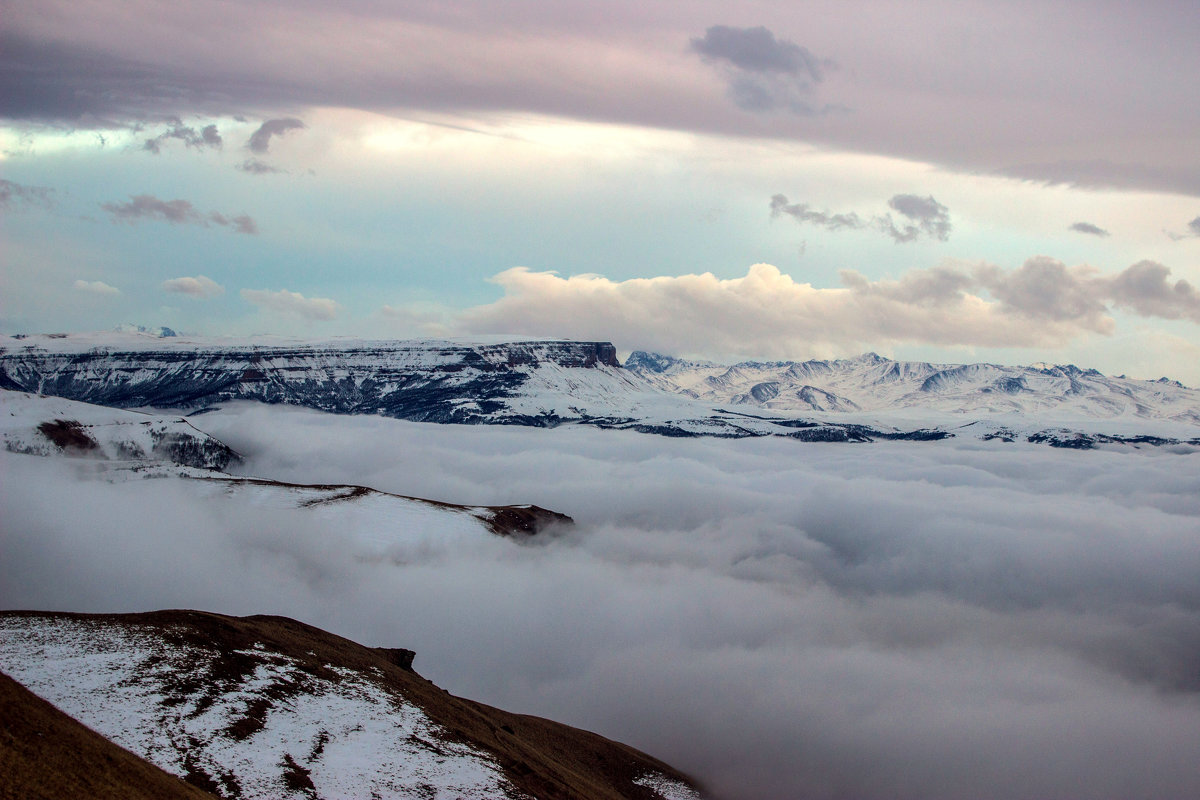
column 433, row 381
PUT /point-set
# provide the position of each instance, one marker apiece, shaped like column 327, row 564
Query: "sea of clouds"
column 780, row 619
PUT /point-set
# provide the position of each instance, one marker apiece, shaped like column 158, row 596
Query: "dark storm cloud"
column 936, row 620
column 15, row 195
column 1089, row 228
column 208, row 136
column 924, row 215
column 260, row 140
column 148, row 207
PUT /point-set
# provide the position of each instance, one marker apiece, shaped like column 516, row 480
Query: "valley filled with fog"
column 780, row 619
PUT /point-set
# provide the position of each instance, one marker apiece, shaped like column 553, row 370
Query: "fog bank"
column 780, row 619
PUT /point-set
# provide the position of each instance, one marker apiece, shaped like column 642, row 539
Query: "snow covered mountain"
column 872, row 383
column 434, row 381
column 550, row 383
column 266, row 707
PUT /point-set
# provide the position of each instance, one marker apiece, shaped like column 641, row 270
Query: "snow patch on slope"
column 348, row 737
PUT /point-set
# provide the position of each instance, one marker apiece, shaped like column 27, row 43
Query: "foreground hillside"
column 47, row 755
column 267, row 707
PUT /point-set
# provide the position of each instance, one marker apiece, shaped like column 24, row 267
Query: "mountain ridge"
column 546, row 383
column 266, row 707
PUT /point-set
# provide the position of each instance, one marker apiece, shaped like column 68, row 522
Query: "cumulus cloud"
column 1146, row 289
column 96, row 287
column 15, row 195
column 147, row 206
column 208, row 136
column 1088, row 228
column 292, row 303
column 904, row 620
column 924, row 214
column 199, row 286
column 260, row 140
column 767, row 313
column 921, row 216
column 763, row 73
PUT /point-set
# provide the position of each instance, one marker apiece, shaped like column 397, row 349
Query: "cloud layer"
column 898, row 620
column 768, row 314
column 763, row 73
column 260, row 140
column 96, row 287
column 120, row 65
column 199, row 286
column 15, row 195
column 292, row 303
column 147, row 206
column 207, row 136
column 920, row 216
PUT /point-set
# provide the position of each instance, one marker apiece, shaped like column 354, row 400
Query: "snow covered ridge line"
column 551, row 383
column 434, row 381
column 871, row 383
column 44, row 426
column 266, row 707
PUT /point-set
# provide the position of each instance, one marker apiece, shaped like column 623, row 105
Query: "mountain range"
column 550, row 383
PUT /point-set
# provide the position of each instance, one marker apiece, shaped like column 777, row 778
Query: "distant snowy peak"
column 160, row 332
column 267, row 707
column 873, row 383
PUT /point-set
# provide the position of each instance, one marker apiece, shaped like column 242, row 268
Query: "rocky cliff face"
column 424, row 381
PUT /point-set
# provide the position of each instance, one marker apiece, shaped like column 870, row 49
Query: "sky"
column 932, row 620
column 952, row 181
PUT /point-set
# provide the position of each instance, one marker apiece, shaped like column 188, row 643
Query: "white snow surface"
column 354, row 737
column 119, row 435
column 871, row 383
column 655, row 393
column 666, row 788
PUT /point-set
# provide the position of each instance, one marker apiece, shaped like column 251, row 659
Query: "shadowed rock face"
column 428, row 382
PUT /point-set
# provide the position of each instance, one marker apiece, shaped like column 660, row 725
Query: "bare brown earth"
column 547, row 760
column 502, row 520
column 47, row 755
column 68, row 434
